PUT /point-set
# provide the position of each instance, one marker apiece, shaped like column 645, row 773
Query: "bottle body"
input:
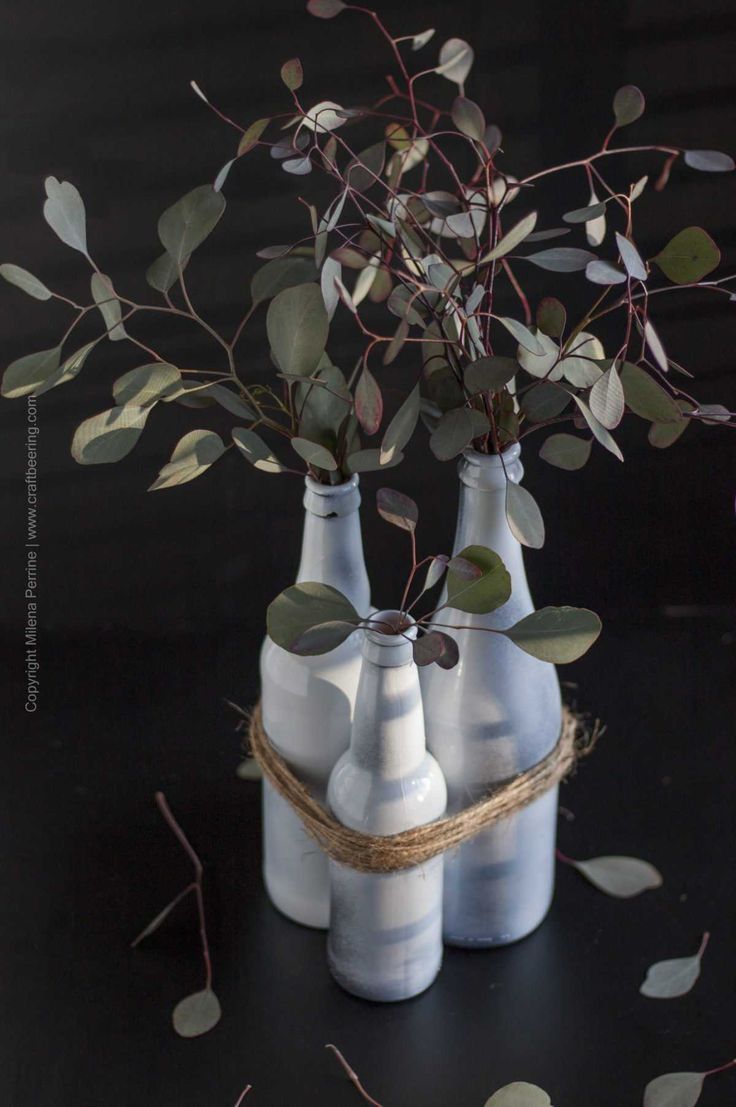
column 385, row 940
column 308, row 704
column 495, row 714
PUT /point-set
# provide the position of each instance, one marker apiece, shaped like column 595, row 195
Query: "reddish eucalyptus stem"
column 352, row 1076
column 242, row 1095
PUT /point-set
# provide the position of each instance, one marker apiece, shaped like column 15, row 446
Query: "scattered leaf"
column 566, row 451
column 486, row 593
column 673, row 978
column 24, row 280
column 689, row 256
column 197, row 1014
column 556, row 634
column 674, row 1089
column 622, row 877
column 523, row 516
column 519, row 1094
column 325, row 9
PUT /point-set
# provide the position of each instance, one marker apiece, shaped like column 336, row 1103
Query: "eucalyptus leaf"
column 562, row 259
column 522, row 334
column 689, row 256
column 325, row 9
column 674, row 1089
column 455, row 60
column 663, row 435
column 368, row 402
column 28, row 373
column 68, row 369
column 187, row 223
column 163, row 273
column 519, row 1094
column 654, row 342
column 584, row 215
column 314, row 454
column 192, row 456
column 435, row 572
column 298, row 167
column 566, row 451
column 255, row 450
column 230, row 400
column 556, row 634
column 156, row 921
column 544, row 401
column 397, row 509
column 523, row 516
column 24, row 280
column 401, row 427
column 607, row 399
column 713, row 413
column 197, row 1014
column 304, row 607
column 436, row 647
column 673, row 978
column 489, row 374
column 486, row 593
column 250, row 136
column 223, row 174
column 551, row 317
column 709, row 161
column 365, row 170
column 647, row 398
column 292, row 74
column 456, row 430
column 631, row 258
column 604, row 272
column 512, row 238
column 628, row 105
column 146, row 384
column 323, row 401
column 109, row 436
column 622, row 877
column 297, row 327
column 249, row 769
column 547, row 365
column 468, row 118
column 369, row 461
column 324, row 117
column 420, row 40
column 109, row 305
column 599, row 431
column 331, row 269
column 64, row 212
column 278, row 274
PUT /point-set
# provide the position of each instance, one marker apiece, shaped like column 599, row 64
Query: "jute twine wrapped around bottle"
column 371, row 853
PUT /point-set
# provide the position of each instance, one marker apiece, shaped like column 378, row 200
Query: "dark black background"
column 152, row 605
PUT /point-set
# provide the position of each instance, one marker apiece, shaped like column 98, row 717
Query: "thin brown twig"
column 352, row 1076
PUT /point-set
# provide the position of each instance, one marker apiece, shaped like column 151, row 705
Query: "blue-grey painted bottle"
column 385, row 939
column 494, row 715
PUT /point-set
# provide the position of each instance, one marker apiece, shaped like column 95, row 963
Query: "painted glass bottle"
column 385, row 940
column 495, row 714
column 308, row 703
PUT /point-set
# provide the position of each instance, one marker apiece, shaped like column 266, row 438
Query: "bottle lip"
column 328, row 500
column 492, row 461
column 390, row 641
column 330, row 490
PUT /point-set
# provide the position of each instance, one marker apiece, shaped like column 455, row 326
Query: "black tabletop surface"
column 87, row 861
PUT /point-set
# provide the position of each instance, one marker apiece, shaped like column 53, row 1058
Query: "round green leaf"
column 456, row 60
column 314, row 454
column 255, row 450
column 456, row 430
column 27, row 374
column 523, row 516
column 468, row 118
column 64, row 212
column 522, row 334
column 628, row 105
column 556, row 634
column 109, row 436
column 197, row 1014
column 566, row 451
column 21, row 278
column 146, row 384
column 646, row 398
column 544, row 401
column 397, row 509
column 297, row 326
column 604, row 272
column 192, row 456
column 369, row 461
column 689, row 256
column 304, row 608
column 188, row 222
column 325, row 9
column 250, row 136
column 278, row 274
column 489, row 591
column 674, row 1089
column 292, row 74
column 551, row 317
column 489, row 374
column 519, row 1094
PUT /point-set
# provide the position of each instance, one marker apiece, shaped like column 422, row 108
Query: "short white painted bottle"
column 308, row 704
column 385, row 939
column 497, row 713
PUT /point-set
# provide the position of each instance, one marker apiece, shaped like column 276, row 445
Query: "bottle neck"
column 332, row 544
column 388, row 725
column 482, row 507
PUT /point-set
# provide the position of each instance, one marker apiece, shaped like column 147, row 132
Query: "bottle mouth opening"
column 492, row 461
column 391, row 627
column 342, row 489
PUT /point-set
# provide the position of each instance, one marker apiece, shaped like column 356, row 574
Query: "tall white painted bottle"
column 495, row 714
column 385, row 940
column 308, row 703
